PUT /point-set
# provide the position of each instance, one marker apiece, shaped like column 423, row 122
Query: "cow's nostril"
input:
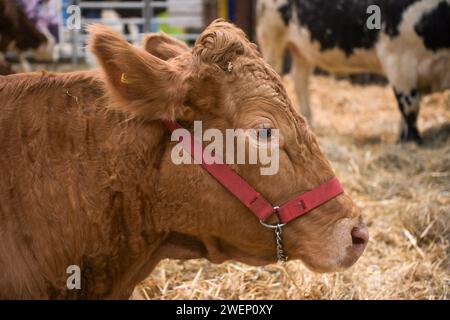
column 360, row 235
column 356, row 240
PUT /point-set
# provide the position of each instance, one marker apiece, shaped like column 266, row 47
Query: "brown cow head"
column 225, row 83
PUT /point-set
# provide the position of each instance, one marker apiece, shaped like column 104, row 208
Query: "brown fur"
column 87, row 177
column 163, row 46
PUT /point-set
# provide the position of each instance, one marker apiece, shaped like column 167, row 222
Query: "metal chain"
column 282, row 257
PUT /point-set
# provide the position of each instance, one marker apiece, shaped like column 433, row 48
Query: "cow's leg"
column 272, row 34
column 400, row 67
column 409, row 105
column 273, row 53
column 300, row 72
column 134, row 33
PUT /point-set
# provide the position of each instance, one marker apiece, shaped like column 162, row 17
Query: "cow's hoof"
column 410, row 135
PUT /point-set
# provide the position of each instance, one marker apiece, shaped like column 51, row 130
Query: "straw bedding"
column 403, row 189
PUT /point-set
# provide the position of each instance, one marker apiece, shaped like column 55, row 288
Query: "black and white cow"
column 412, row 47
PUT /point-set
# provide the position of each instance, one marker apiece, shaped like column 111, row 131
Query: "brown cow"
column 17, row 28
column 87, row 178
column 18, row 32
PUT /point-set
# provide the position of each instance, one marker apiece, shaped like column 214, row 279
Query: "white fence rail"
column 185, row 14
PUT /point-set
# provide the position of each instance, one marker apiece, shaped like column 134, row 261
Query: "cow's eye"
column 264, row 133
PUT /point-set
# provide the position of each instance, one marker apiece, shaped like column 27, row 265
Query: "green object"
column 167, row 28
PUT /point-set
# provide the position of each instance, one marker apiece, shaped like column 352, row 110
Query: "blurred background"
column 50, row 40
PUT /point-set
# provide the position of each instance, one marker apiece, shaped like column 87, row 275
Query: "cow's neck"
column 130, row 238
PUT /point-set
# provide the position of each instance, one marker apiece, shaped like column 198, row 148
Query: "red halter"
column 252, row 199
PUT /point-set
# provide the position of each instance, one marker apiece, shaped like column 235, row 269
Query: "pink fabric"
column 44, row 12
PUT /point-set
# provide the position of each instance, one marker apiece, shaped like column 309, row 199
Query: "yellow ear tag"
column 124, row 79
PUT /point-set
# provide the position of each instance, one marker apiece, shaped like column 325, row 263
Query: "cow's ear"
column 164, row 46
column 221, row 43
column 139, row 83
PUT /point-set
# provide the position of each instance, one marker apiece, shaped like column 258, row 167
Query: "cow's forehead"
column 255, row 77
